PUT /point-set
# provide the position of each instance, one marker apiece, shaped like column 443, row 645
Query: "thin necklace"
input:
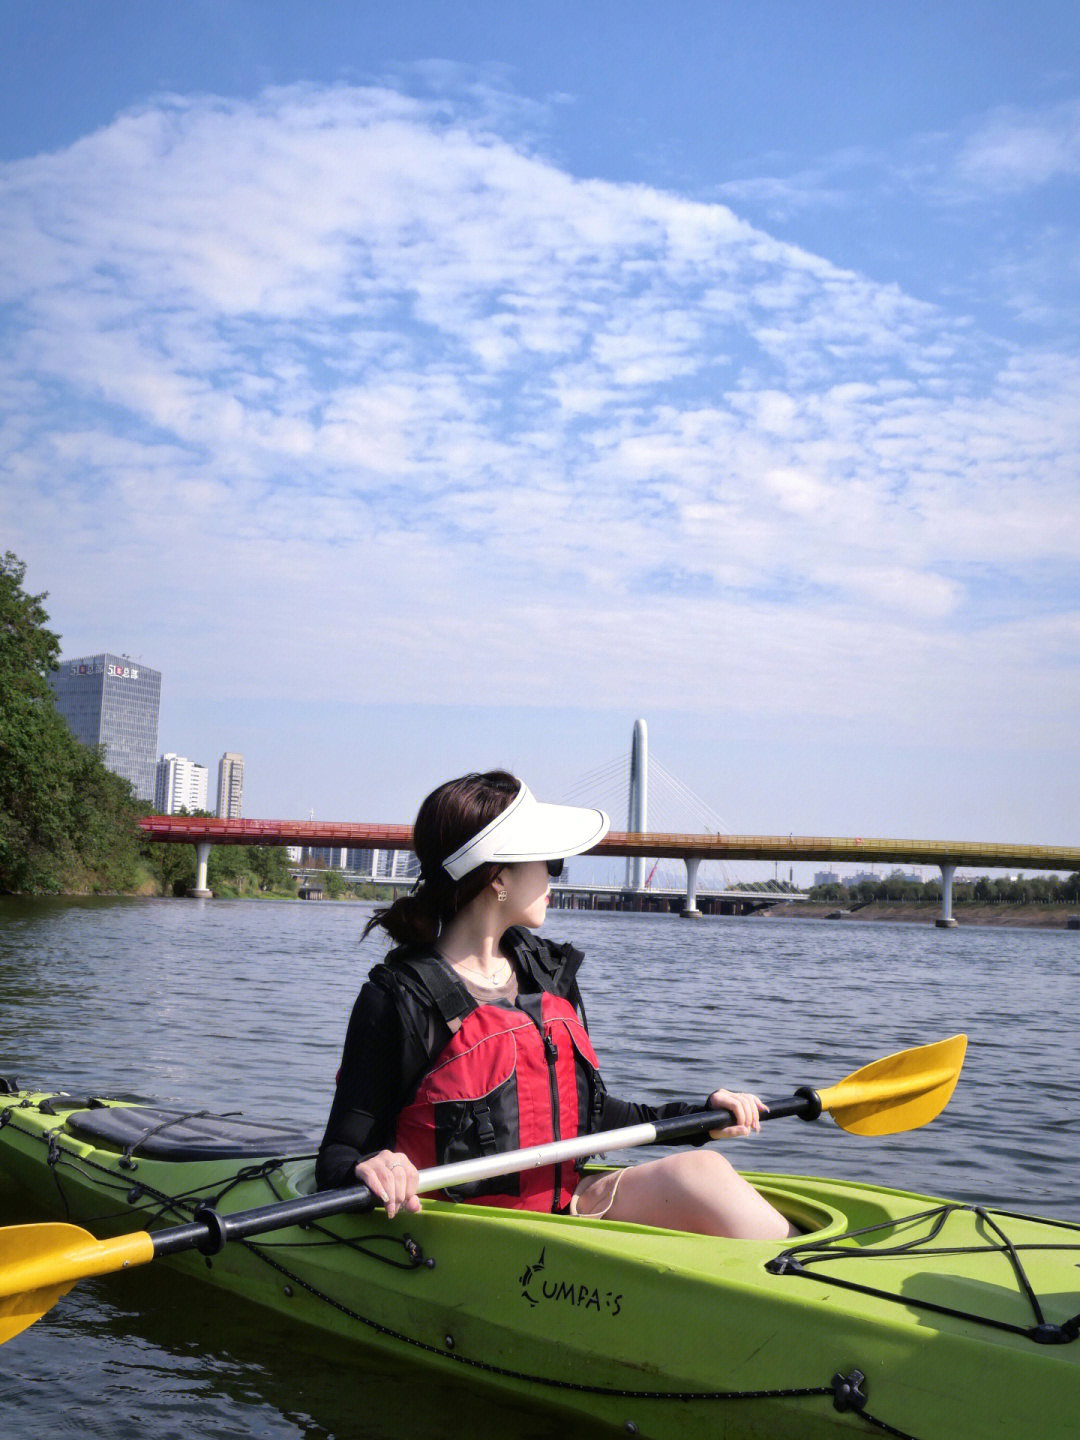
column 502, row 974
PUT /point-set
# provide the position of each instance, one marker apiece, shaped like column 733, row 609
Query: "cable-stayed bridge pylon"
column 653, row 799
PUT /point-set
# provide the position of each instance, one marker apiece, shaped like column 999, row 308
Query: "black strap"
column 448, row 995
column 532, row 1005
column 554, row 966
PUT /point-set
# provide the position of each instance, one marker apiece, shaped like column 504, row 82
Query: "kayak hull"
column 647, row 1331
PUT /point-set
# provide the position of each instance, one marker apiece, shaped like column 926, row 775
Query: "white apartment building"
column 230, row 786
column 181, row 785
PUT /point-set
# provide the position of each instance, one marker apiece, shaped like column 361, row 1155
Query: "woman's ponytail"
column 450, row 815
column 410, row 920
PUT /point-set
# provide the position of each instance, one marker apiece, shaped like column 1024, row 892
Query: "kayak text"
column 536, row 1287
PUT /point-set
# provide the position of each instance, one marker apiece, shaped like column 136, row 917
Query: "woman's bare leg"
column 695, row 1190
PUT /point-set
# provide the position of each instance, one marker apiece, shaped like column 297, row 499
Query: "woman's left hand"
column 746, row 1108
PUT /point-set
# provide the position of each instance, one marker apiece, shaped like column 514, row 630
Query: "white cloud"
column 1016, row 149
column 392, row 388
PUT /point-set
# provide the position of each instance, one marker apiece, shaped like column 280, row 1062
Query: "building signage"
column 95, row 667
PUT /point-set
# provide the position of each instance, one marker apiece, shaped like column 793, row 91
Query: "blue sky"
column 425, row 387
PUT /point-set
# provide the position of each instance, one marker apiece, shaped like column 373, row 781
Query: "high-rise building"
column 381, row 864
column 364, row 864
column 181, row 785
column 395, row 865
column 230, row 786
column 111, row 702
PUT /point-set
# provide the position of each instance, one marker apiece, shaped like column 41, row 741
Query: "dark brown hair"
column 450, row 815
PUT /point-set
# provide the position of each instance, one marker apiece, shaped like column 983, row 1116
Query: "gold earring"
column 501, row 896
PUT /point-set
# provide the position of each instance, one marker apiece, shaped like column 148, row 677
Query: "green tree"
column 172, row 867
column 830, row 893
column 270, row 866
column 896, row 886
column 229, row 870
column 333, row 884
column 65, row 820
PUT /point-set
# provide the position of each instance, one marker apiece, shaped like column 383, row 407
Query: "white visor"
column 528, row 830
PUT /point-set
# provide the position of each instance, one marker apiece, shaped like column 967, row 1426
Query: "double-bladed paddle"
column 40, row 1263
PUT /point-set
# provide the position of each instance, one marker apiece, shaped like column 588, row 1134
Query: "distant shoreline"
column 1042, row 917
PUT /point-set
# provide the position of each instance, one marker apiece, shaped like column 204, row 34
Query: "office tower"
column 395, row 865
column 230, row 786
column 111, row 702
column 325, row 857
column 181, row 785
column 375, row 864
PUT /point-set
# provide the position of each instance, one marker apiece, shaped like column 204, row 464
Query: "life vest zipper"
column 551, row 1054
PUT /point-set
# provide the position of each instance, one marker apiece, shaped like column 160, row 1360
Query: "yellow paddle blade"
column 900, row 1092
column 39, row 1263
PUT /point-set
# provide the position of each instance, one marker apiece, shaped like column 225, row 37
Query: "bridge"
column 692, row 849
column 638, row 843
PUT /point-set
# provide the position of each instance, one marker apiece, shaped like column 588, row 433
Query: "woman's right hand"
column 392, row 1178
column 746, row 1108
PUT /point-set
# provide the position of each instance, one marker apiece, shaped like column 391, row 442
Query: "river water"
column 241, row 1005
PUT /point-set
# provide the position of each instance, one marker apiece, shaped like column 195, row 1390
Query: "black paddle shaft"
column 805, row 1103
column 210, row 1230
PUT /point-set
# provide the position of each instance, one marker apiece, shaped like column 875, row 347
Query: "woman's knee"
column 694, row 1168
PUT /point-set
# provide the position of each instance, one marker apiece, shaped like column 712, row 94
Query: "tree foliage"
column 1002, row 890
column 66, row 822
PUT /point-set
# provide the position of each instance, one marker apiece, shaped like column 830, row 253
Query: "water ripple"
column 243, row 1006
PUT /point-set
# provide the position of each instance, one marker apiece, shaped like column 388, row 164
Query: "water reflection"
column 178, row 1361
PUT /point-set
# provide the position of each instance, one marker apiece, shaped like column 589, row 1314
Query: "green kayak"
column 894, row 1313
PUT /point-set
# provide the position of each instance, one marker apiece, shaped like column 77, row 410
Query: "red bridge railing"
column 189, row 829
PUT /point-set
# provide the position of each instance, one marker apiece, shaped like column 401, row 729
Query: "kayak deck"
column 956, row 1318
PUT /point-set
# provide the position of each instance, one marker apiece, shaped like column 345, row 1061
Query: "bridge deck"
column 861, row 849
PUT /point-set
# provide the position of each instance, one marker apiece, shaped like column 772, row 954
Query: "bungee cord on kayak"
column 798, row 1260
column 184, row 1204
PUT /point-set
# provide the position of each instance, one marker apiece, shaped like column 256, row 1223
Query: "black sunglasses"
column 555, row 868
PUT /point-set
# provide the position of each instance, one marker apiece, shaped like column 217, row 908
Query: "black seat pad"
column 160, row 1134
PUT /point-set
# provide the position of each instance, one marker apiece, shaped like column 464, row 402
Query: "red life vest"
column 507, row 1079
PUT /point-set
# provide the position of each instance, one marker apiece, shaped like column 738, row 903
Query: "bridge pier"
column 945, row 920
column 202, row 861
column 690, row 910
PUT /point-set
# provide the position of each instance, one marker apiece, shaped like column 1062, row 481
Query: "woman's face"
column 526, row 887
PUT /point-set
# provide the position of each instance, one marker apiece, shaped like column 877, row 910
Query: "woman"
column 470, row 1037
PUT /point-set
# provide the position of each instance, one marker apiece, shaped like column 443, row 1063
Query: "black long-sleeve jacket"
column 395, row 1034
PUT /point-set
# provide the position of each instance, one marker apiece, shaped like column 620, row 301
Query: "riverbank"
column 1042, row 917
